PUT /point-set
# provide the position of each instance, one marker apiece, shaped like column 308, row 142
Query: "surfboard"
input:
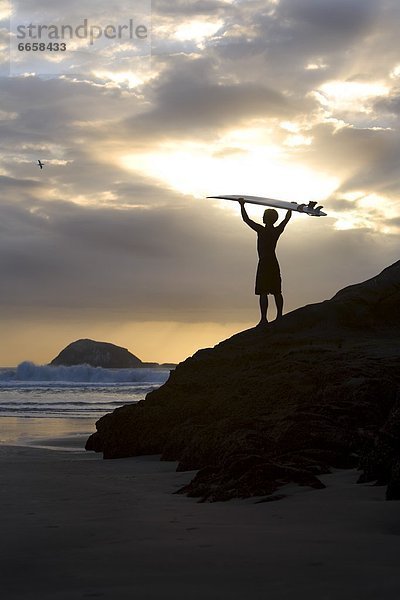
column 310, row 209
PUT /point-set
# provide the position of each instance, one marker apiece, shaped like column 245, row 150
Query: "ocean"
column 42, row 403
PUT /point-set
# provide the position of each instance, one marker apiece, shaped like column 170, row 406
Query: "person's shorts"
column 268, row 278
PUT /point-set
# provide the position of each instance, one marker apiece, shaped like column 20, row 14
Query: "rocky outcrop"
column 318, row 389
column 97, row 354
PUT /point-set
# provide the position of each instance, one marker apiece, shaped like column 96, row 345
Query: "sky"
column 115, row 240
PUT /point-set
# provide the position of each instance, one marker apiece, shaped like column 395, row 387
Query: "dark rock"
column 283, row 403
column 380, row 459
column 96, row 354
column 393, row 488
column 249, row 476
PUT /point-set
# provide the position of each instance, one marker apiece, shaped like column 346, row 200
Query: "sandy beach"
column 76, row 526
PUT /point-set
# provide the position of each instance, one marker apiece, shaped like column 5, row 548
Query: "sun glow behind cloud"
column 5, row 9
column 367, row 211
column 197, row 30
column 201, row 170
column 350, row 95
column 128, row 78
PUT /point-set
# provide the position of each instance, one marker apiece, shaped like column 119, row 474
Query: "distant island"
column 101, row 354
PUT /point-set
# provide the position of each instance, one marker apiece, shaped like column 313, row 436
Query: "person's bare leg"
column 279, row 305
column 263, row 308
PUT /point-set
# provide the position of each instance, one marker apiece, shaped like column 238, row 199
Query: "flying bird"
column 40, row 164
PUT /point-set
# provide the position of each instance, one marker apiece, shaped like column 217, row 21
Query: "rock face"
column 96, row 354
column 284, row 403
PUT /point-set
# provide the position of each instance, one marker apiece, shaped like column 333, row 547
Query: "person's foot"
column 262, row 323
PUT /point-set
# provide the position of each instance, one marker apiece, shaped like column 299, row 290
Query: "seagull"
column 40, row 164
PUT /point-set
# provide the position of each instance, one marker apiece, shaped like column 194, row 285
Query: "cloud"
column 182, row 8
column 203, row 109
column 390, row 104
column 364, row 159
column 330, row 23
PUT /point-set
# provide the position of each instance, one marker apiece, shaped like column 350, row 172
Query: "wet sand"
column 50, row 432
column 76, row 526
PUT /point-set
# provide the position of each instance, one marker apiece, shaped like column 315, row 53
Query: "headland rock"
column 317, row 390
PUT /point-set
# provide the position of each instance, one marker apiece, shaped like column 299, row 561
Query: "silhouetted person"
column 268, row 278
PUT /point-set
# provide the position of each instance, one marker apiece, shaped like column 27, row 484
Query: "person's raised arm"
column 246, row 217
column 285, row 221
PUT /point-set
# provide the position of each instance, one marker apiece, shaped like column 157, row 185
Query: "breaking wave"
column 29, row 372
